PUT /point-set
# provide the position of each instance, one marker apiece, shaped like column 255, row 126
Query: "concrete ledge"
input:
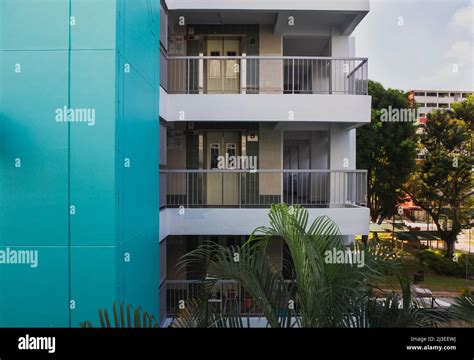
column 266, row 107
column 212, row 221
column 295, row 5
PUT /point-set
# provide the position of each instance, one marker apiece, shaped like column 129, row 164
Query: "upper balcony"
column 296, row 58
column 265, row 88
column 266, row 75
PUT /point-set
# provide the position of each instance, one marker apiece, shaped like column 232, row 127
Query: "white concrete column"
column 201, row 74
column 342, row 156
column 243, row 74
column 341, row 47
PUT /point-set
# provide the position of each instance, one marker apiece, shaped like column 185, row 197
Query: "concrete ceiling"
column 305, row 46
column 345, row 21
column 228, row 17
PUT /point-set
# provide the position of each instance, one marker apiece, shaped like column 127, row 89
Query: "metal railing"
column 163, row 69
column 226, row 297
column 266, row 75
column 262, row 188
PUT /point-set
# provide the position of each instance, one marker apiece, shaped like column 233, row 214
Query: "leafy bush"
column 436, row 261
column 470, row 263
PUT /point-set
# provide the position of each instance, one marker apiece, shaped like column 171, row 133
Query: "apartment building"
column 428, row 100
column 259, row 104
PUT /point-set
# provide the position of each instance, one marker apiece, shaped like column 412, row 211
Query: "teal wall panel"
column 95, row 24
column 34, row 25
column 35, row 297
column 92, row 147
column 33, row 206
column 93, row 280
column 140, row 38
column 63, row 163
column 140, row 196
column 138, row 129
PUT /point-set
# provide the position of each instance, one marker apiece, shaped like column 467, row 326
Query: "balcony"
column 262, row 188
column 265, row 75
column 226, row 297
column 236, row 202
column 297, row 89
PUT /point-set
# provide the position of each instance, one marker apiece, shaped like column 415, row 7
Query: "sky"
column 419, row 44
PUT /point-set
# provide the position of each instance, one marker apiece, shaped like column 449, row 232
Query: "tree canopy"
column 443, row 183
column 387, row 149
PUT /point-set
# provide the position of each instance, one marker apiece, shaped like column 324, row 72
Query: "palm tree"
column 327, row 294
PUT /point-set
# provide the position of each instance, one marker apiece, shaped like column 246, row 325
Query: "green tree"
column 387, row 149
column 443, row 184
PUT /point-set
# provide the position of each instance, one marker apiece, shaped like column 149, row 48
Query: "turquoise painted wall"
column 64, row 188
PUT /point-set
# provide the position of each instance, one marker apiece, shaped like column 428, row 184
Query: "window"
column 422, row 104
column 418, row 93
column 443, row 95
column 231, row 150
column 444, row 106
column 431, row 94
column 215, row 66
column 432, row 105
column 215, row 149
column 232, row 66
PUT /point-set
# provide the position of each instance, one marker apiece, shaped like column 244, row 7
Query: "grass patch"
column 434, row 281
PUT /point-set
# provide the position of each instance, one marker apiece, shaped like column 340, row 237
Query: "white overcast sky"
column 416, row 44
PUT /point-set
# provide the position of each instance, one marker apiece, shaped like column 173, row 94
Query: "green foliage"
column 463, row 309
column 443, row 183
column 442, row 265
column 387, row 314
column 253, row 271
column 124, row 320
column 327, row 294
column 387, row 150
column 465, row 110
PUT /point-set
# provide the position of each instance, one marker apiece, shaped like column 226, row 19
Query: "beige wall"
column 270, row 43
column 271, row 71
column 176, row 159
column 269, row 157
column 177, row 156
column 177, row 69
column 176, row 248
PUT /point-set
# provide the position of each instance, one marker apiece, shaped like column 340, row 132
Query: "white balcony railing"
column 264, row 75
column 226, row 297
column 261, row 189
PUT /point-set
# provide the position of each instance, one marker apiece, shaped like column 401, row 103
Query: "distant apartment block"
column 428, row 100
